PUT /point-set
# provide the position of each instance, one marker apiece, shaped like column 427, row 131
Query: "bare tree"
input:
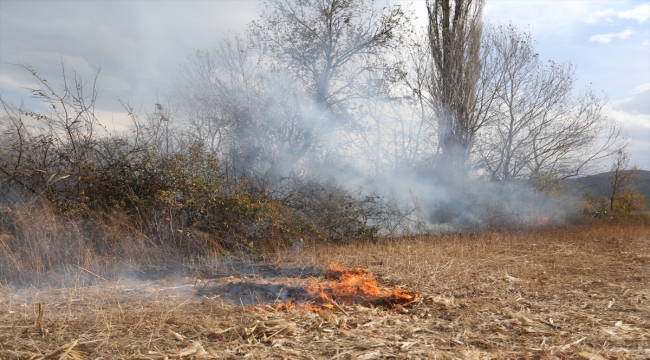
column 620, row 180
column 327, row 46
column 455, row 28
column 417, row 79
column 199, row 99
column 227, row 101
column 277, row 96
column 389, row 133
column 538, row 125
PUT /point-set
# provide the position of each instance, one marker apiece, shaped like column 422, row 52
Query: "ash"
column 239, row 282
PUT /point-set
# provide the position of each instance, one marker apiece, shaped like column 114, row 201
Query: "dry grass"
column 38, row 245
column 574, row 293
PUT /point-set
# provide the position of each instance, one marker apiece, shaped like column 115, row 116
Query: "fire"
column 354, row 286
column 541, row 220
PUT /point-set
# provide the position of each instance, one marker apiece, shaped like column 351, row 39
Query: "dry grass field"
column 579, row 292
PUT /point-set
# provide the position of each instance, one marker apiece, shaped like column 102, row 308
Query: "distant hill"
column 599, row 184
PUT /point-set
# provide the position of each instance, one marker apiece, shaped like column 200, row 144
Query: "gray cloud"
column 138, row 45
column 637, row 103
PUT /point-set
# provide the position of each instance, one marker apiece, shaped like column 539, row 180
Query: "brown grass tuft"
column 37, row 245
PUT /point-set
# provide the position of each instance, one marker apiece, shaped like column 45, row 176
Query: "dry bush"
column 334, row 213
column 73, row 200
column 170, row 189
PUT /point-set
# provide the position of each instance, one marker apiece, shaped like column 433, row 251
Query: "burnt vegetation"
column 327, row 121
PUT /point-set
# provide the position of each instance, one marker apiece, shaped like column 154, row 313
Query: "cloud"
column 645, row 43
column 137, row 45
column 636, row 103
column 544, row 18
column 607, row 38
column 639, row 123
column 595, row 16
column 114, row 120
column 641, row 88
column 637, row 126
column 11, row 83
column 640, row 13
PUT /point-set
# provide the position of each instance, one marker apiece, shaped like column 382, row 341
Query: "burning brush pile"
column 324, row 289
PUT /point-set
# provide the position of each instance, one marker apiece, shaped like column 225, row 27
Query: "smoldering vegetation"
column 323, row 122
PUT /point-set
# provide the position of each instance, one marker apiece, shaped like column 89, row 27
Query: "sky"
column 141, row 46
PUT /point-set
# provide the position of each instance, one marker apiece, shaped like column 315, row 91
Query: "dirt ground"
column 581, row 292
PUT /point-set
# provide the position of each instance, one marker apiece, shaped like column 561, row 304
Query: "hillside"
column 599, row 184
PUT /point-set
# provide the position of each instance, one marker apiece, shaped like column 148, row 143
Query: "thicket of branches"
column 328, row 118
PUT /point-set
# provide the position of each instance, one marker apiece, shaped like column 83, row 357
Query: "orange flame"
column 541, row 220
column 350, row 286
